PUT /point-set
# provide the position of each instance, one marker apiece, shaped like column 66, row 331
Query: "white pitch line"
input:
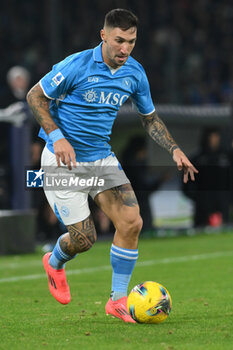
column 177, row 259
column 20, row 264
column 187, row 258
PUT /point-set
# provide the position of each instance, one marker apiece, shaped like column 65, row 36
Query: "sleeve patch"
column 57, row 79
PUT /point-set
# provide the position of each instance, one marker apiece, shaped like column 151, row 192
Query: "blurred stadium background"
column 186, row 49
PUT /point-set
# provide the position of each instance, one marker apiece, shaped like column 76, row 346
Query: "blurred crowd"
column 185, row 46
column 186, row 49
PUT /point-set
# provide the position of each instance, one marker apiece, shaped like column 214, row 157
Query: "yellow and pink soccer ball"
column 149, row 302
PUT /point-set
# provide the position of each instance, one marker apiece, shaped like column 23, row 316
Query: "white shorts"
column 71, row 205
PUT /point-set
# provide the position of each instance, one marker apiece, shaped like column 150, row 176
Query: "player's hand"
column 64, row 153
column 183, row 163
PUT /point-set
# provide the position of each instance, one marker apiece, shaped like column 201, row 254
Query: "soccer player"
column 76, row 104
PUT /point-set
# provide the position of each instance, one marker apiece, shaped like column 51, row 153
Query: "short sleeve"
column 60, row 79
column 142, row 96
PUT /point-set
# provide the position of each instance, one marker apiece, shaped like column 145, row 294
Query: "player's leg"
column 72, row 209
column 79, row 238
column 120, row 205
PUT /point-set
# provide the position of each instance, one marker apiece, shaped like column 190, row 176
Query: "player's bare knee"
column 82, row 235
column 131, row 226
column 139, row 224
column 136, row 226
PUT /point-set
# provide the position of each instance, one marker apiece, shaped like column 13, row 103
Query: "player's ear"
column 103, row 34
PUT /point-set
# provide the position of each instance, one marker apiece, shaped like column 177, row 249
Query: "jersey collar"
column 97, row 53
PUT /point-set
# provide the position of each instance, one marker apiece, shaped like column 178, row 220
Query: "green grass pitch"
column 197, row 271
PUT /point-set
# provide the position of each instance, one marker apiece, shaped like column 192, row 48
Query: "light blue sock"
column 123, row 262
column 58, row 258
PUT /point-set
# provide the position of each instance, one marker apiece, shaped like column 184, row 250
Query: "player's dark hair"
column 120, row 18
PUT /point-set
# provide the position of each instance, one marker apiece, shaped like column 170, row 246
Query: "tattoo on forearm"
column 80, row 238
column 39, row 105
column 125, row 194
column 158, row 131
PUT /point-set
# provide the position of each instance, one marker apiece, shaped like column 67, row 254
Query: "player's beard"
column 121, row 59
column 114, row 61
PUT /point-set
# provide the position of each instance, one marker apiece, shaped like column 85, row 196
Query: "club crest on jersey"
column 58, row 78
column 127, row 82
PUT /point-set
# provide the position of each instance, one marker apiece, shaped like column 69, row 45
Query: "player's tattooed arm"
column 39, row 105
column 158, row 131
column 81, row 237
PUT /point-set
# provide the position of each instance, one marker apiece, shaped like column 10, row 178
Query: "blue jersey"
column 86, row 95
